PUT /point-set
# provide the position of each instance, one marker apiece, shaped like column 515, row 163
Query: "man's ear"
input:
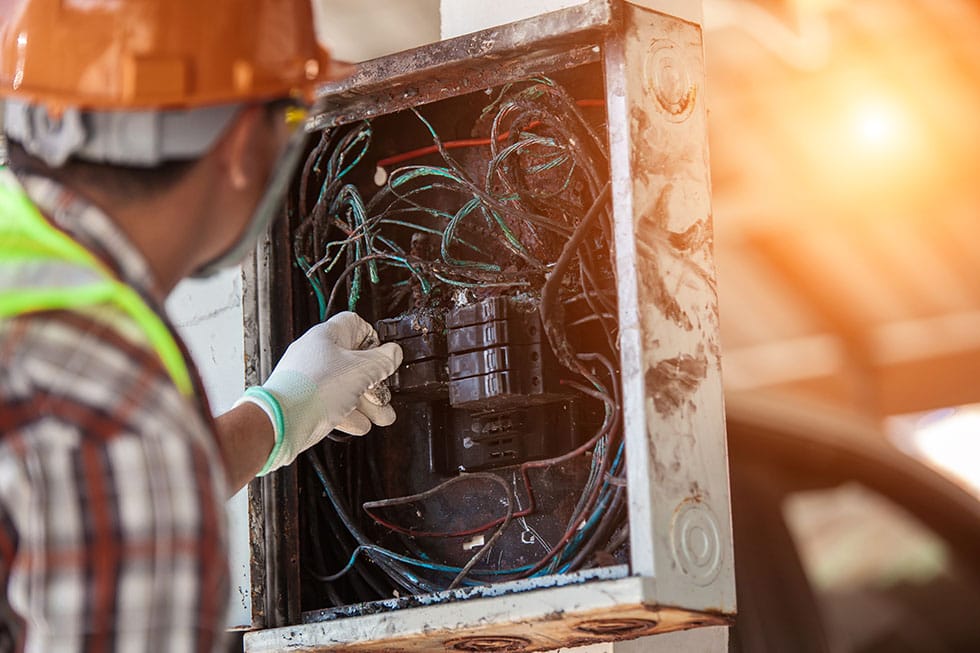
column 237, row 148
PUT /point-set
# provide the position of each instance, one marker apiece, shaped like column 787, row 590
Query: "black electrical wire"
column 549, row 291
column 401, row 574
column 536, row 130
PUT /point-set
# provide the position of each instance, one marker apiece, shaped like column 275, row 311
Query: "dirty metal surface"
column 680, row 522
column 470, row 593
column 404, row 464
column 472, row 62
column 255, row 310
column 272, row 505
column 543, row 620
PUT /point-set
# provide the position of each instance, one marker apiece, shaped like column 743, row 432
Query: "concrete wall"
column 356, row 30
column 465, row 16
column 208, row 315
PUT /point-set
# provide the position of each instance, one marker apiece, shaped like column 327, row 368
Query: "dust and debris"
column 696, row 237
column 671, row 381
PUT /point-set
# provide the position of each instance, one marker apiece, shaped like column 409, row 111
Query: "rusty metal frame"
column 682, row 569
column 473, row 62
column 272, row 500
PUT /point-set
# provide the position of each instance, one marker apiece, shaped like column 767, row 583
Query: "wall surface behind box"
column 465, row 16
column 208, row 315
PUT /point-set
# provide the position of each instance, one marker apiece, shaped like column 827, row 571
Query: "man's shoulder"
column 89, row 364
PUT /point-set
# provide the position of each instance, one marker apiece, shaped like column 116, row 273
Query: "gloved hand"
column 320, row 384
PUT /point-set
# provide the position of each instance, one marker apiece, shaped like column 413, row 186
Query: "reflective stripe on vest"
column 42, row 269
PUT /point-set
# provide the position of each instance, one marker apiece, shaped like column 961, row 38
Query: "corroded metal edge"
column 542, row 620
column 255, row 316
column 464, row 64
column 470, row 593
column 272, row 510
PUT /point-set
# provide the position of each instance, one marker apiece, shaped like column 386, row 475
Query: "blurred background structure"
column 846, row 166
column 844, row 150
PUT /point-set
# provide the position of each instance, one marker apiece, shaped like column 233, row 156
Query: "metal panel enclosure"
column 669, row 331
column 681, row 572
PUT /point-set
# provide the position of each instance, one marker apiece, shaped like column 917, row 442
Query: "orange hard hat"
column 159, row 54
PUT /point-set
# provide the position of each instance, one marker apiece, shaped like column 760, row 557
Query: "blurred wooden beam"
column 830, row 306
column 926, row 384
column 902, row 386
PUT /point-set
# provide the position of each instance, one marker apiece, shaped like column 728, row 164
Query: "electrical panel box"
column 526, row 211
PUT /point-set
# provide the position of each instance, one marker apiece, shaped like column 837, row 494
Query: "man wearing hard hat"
column 149, row 140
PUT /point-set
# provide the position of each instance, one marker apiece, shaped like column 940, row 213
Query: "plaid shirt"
column 111, row 482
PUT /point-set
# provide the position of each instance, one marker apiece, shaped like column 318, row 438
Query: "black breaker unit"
column 506, row 404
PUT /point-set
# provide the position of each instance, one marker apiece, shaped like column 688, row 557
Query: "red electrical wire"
column 402, row 157
column 395, row 159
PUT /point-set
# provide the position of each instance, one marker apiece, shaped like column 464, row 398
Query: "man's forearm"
column 246, row 438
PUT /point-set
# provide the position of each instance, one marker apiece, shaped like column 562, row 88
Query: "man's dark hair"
column 119, row 182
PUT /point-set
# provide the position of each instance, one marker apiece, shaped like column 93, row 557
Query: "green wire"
column 363, row 135
column 548, row 165
column 317, row 290
column 350, row 197
column 509, row 236
column 408, row 173
column 480, row 284
column 449, row 234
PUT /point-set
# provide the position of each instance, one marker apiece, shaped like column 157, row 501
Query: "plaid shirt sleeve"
column 111, row 495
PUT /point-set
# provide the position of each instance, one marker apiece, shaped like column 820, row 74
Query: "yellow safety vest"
column 42, row 269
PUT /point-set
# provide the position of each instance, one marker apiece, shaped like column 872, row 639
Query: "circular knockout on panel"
column 617, row 627
column 489, row 643
column 668, row 78
column 696, row 541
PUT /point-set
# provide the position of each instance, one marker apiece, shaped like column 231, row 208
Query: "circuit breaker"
column 526, row 211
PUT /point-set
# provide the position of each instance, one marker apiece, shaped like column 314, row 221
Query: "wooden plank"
column 901, row 387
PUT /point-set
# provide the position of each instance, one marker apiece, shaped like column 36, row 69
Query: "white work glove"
column 325, row 381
